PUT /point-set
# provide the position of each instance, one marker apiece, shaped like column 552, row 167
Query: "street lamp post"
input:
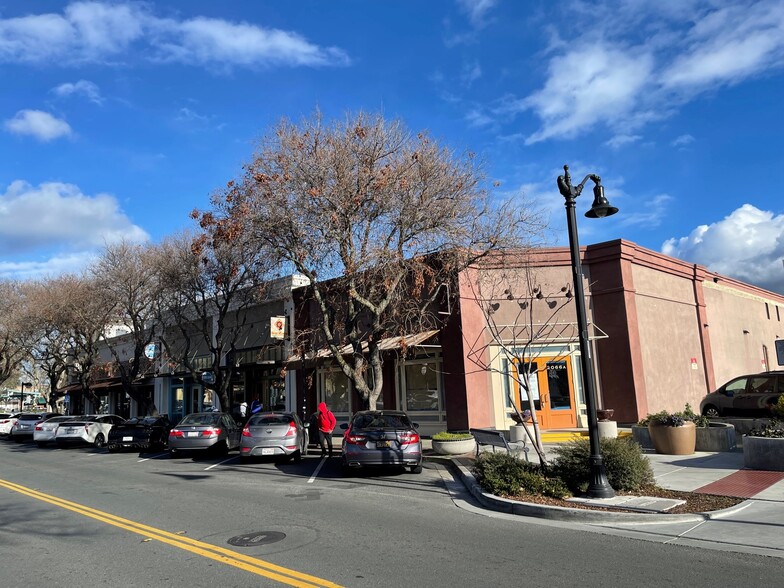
column 22, row 394
column 598, row 486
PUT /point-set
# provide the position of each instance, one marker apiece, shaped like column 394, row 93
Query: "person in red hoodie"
column 326, row 424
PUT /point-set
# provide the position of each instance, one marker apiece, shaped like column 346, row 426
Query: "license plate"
column 70, row 430
column 127, row 438
column 192, row 433
column 382, row 444
column 267, row 451
column 24, row 426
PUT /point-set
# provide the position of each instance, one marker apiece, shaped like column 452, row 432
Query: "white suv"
column 92, row 429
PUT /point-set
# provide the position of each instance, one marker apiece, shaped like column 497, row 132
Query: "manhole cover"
column 258, row 538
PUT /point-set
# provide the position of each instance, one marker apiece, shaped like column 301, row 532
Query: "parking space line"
column 152, row 457
column 318, row 469
column 220, row 463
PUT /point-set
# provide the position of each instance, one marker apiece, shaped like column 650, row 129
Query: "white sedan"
column 7, row 421
column 92, row 429
column 45, row 431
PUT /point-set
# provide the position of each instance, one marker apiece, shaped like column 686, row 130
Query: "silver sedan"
column 203, row 431
column 47, row 430
column 274, row 434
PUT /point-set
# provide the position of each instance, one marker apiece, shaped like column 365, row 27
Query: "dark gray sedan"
column 205, row 431
column 381, row 438
column 274, row 434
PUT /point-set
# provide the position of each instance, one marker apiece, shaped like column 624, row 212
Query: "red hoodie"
column 326, row 420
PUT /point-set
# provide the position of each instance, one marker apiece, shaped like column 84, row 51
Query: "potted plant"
column 763, row 448
column 446, row 443
column 672, row 434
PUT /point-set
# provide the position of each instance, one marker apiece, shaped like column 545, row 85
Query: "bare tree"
column 209, row 284
column 363, row 207
column 125, row 274
column 15, row 338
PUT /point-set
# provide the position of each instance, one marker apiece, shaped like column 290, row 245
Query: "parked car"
column 45, row 431
column 274, row 434
column 92, row 429
column 7, row 421
column 202, row 431
column 381, row 438
column 150, row 432
column 24, row 426
column 752, row 395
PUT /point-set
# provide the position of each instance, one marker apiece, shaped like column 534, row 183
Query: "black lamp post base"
column 598, row 485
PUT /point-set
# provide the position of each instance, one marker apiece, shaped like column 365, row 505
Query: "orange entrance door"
column 551, row 390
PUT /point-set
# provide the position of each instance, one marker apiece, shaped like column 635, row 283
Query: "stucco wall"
column 669, row 335
column 730, row 311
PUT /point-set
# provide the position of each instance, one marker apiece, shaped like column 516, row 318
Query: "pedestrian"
column 326, row 424
column 256, row 405
column 243, row 408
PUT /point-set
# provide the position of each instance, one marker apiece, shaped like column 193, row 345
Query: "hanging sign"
column 278, row 327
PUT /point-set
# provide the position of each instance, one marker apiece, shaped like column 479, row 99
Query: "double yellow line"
column 213, row 552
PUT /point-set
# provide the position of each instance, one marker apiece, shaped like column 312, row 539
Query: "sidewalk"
column 754, row 526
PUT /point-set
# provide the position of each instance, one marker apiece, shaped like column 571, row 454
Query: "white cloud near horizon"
column 81, row 88
column 39, row 124
column 476, row 10
column 747, row 245
column 639, row 62
column 43, row 227
column 95, row 32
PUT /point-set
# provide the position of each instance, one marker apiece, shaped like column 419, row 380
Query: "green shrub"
column 773, row 429
column 446, row 436
column 778, row 408
column 697, row 419
column 503, row 474
column 644, row 422
column 626, row 466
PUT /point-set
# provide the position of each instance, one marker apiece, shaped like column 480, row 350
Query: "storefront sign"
column 278, row 327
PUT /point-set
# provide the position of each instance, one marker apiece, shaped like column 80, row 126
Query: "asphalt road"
column 80, row 517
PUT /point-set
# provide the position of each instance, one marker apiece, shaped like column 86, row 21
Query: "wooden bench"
column 494, row 439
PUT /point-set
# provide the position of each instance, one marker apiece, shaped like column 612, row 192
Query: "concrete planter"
column 454, row 447
column 674, row 440
column 642, row 437
column 763, row 453
column 716, row 437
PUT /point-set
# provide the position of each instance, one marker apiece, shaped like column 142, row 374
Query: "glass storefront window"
column 422, row 392
column 335, row 391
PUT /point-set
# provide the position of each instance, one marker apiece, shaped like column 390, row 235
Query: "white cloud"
column 683, row 140
column 586, row 86
column 81, row 88
column 97, row 32
column 654, row 210
column 53, row 266
column 59, row 218
column 619, row 141
column 747, row 245
column 471, row 72
column 476, row 10
column 41, row 125
column 640, row 61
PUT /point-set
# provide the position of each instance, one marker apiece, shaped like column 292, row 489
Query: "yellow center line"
column 214, row 552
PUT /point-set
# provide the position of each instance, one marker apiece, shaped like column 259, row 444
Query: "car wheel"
column 100, row 440
column 296, row 456
column 711, row 411
column 41, row 443
column 112, row 448
column 417, row 469
column 174, row 454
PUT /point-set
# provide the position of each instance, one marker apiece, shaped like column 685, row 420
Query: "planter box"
column 674, row 440
column 716, row 437
column 642, row 437
column 763, row 453
column 454, row 447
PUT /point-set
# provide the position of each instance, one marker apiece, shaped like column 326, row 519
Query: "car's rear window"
column 271, row 419
column 201, row 419
column 381, row 421
column 29, row 417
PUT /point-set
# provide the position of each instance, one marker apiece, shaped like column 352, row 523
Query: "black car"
column 752, row 395
column 142, row 433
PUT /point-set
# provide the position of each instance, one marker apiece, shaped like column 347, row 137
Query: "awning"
column 547, row 333
column 104, row 384
column 388, row 344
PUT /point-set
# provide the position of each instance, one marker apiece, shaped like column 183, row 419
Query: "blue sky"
column 118, row 118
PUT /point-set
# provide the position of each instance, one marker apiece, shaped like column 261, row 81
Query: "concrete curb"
column 560, row 513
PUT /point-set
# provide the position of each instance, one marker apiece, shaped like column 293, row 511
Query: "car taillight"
column 211, row 432
column 175, row 433
column 39, row 428
column 408, row 438
column 292, row 430
column 246, row 432
column 356, row 439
